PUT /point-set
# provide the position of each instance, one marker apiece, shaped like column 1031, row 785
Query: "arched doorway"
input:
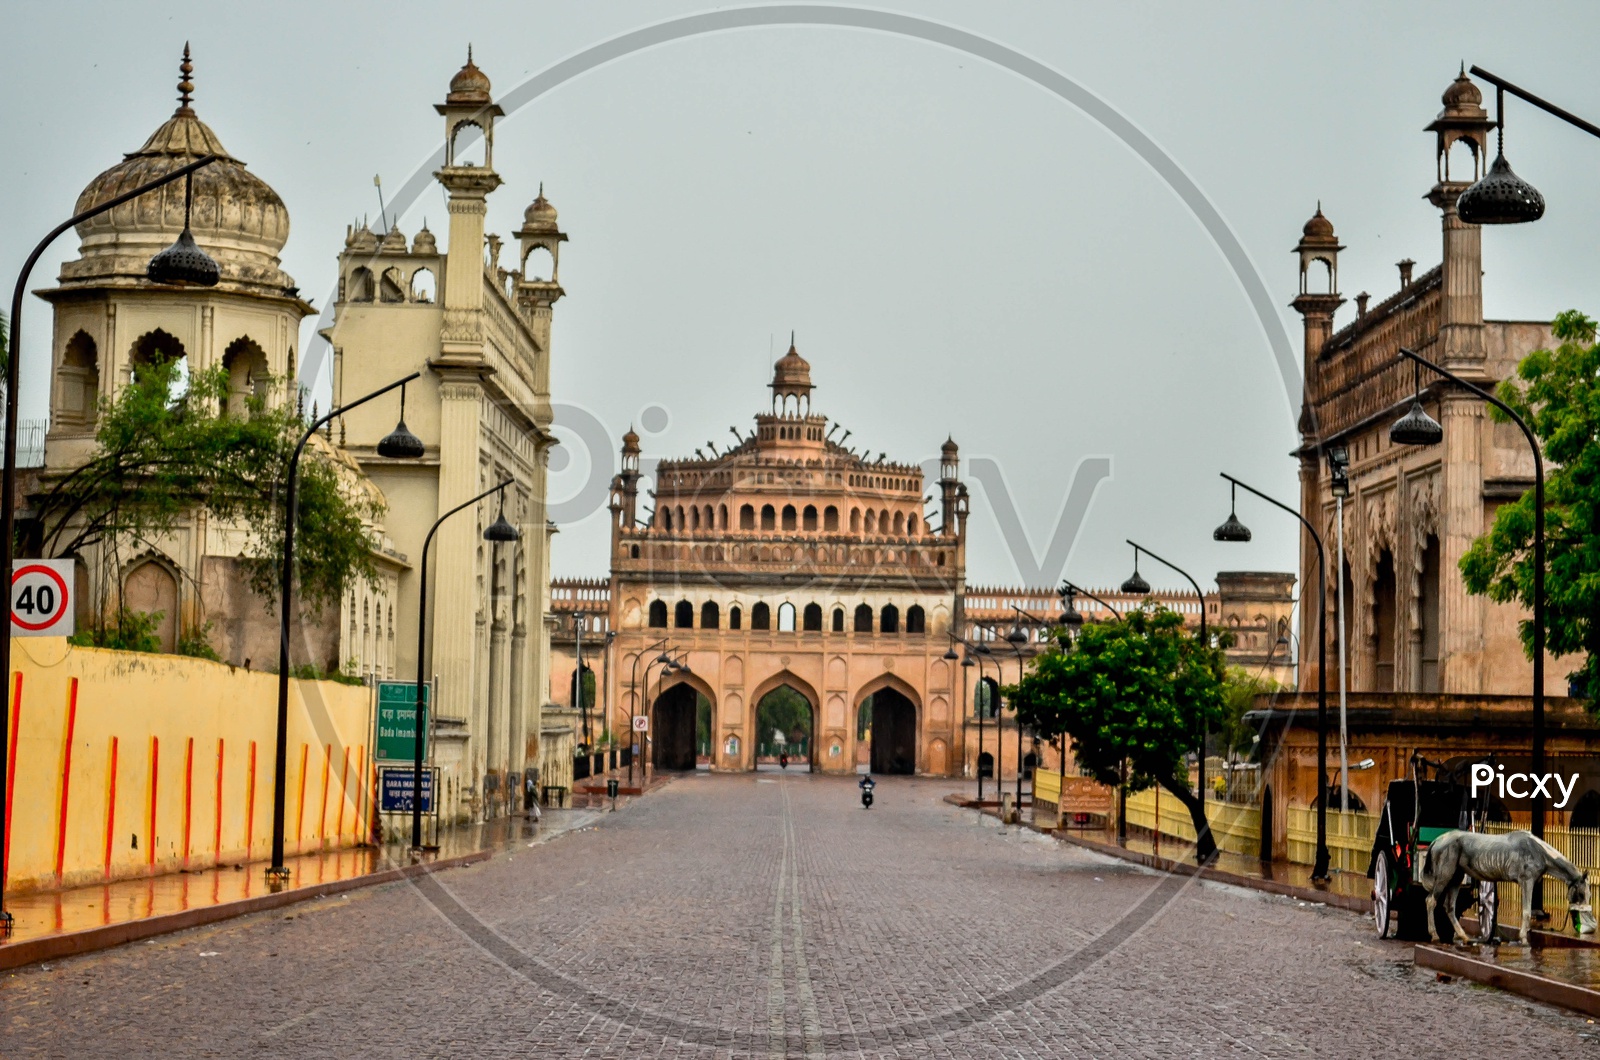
column 784, row 724
column 680, row 722
column 887, row 720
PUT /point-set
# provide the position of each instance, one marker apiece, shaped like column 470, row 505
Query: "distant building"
column 790, row 565
column 1413, row 512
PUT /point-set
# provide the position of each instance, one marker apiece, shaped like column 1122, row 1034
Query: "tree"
column 165, row 449
column 1557, row 393
column 1142, row 690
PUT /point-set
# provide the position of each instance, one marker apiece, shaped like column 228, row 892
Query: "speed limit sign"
column 41, row 598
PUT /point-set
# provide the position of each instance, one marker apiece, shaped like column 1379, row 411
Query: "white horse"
column 1516, row 857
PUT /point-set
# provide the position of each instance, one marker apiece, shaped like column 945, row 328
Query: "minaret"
column 1461, row 349
column 625, row 487
column 949, row 486
column 467, row 108
column 537, row 294
column 1463, row 119
column 1316, row 308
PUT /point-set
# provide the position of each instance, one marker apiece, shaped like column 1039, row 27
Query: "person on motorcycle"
column 866, row 785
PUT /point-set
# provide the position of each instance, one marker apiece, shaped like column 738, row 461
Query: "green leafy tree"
column 1557, row 393
column 165, row 449
column 1140, row 691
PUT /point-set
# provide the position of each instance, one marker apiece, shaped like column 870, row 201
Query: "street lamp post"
column 497, row 531
column 1014, row 640
column 399, row 444
column 577, row 680
column 1233, row 530
column 1205, row 642
column 633, row 686
column 1339, row 486
column 182, row 264
column 1418, row 428
column 668, row 664
column 980, row 650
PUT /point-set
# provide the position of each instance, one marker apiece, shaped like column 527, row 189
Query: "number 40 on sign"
column 41, row 598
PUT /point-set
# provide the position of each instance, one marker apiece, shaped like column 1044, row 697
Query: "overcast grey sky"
column 959, row 251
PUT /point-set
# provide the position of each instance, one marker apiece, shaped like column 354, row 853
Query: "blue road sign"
column 395, row 789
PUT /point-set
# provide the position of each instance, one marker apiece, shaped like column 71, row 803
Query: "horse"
column 1516, row 857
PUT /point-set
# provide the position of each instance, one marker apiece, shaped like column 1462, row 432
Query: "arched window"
column 359, row 288
column 864, row 619
column 883, row 522
column 683, row 521
column 78, row 396
column 808, row 518
column 899, row 523
column 889, row 620
column 915, row 620
column 788, row 517
column 710, row 618
column 735, row 617
column 855, row 520
column 422, row 286
column 666, row 518
column 769, row 518
column 658, row 614
column 830, row 518
column 760, row 617
column 911, row 525
column 248, row 375
column 694, row 518
column 722, row 516
column 872, row 521
column 540, row 264
column 683, row 615
column 785, row 617
column 390, row 288
column 838, row 620
column 747, row 518
column 813, row 619
column 709, row 518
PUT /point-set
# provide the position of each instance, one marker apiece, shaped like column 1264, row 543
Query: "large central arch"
column 893, row 22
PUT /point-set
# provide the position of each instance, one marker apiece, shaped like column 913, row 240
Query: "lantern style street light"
column 497, row 532
column 637, row 701
column 397, row 445
column 1404, row 433
column 1233, row 530
column 197, row 270
column 1205, row 641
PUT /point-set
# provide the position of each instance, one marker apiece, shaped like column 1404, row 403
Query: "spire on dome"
column 185, row 86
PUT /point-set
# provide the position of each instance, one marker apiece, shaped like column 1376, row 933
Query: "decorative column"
column 455, row 550
column 1461, row 616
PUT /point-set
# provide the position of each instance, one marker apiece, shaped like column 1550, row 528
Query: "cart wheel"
column 1488, row 907
column 1380, row 893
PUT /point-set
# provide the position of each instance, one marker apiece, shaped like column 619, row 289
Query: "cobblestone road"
column 758, row 917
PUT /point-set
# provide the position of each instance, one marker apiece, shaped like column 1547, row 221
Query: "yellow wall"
column 197, row 721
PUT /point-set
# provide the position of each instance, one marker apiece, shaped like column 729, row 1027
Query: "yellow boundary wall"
column 157, row 775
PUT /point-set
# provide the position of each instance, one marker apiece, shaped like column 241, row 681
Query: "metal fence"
column 30, row 441
column 1236, row 829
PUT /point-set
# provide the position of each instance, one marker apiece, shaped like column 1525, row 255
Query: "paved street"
column 773, row 917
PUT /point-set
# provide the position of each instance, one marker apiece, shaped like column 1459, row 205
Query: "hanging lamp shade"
column 1416, row 427
column 1231, row 530
column 1135, row 585
column 500, row 530
column 401, row 444
column 183, row 264
column 1500, row 198
column 1016, row 636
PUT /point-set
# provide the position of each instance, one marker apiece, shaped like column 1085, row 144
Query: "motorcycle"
column 783, row 760
column 867, row 784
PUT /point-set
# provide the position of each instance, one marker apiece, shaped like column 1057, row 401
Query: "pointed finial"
column 541, row 189
column 1319, row 205
column 791, row 338
column 469, row 53
column 185, row 86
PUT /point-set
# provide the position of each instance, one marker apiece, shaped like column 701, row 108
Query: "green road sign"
column 397, row 721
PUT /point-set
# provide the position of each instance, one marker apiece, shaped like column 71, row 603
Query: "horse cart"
column 1416, row 811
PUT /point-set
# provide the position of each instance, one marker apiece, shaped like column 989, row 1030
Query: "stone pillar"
column 499, row 699
column 455, row 550
column 1461, row 617
column 1311, row 508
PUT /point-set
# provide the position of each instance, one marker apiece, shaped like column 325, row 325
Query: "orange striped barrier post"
column 111, row 804
column 250, row 804
column 188, row 796
column 155, row 777
column 300, row 811
column 216, row 837
column 322, row 810
column 66, row 778
column 344, row 794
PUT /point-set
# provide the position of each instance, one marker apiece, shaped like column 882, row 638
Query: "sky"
column 958, row 251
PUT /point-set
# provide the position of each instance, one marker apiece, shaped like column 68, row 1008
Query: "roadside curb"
column 72, row 944
column 1512, row 980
